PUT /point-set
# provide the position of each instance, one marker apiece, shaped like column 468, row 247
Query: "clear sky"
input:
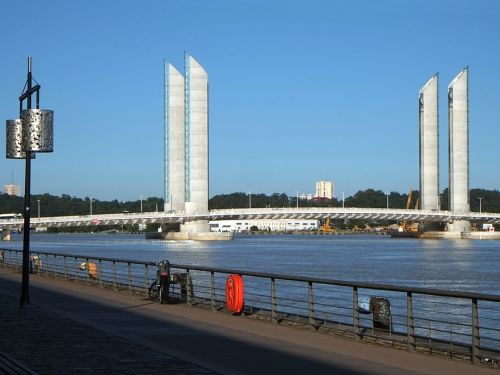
column 299, row 90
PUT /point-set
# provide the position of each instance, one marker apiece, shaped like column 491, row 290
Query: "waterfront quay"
column 106, row 325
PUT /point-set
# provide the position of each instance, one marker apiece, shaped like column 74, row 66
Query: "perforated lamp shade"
column 14, row 149
column 38, row 130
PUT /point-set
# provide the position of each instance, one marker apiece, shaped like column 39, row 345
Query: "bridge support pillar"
column 6, row 234
column 458, row 226
column 197, row 230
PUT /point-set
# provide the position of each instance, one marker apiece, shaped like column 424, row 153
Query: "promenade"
column 71, row 327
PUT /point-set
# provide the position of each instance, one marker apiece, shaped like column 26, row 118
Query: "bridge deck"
column 118, row 332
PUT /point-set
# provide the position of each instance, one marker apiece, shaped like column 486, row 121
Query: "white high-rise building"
column 324, row 189
column 14, row 190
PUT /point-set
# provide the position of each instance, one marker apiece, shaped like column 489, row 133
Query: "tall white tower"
column 174, row 140
column 196, row 137
column 458, row 132
column 429, row 145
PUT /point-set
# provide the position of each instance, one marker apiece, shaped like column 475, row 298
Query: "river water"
column 462, row 265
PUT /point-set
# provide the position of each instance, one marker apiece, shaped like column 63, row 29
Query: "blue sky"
column 299, row 90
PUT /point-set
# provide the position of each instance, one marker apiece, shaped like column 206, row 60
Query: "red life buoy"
column 234, row 293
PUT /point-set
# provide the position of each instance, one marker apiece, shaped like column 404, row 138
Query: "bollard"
column 382, row 317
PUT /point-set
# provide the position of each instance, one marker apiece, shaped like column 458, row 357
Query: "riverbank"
column 116, row 332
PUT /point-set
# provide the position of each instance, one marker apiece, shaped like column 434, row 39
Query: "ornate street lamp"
column 31, row 133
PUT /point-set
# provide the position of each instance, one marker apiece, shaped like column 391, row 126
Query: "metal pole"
column 90, row 206
column 297, row 198
column 343, row 200
column 141, row 203
column 476, row 354
column 25, row 287
column 38, row 201
column 480, row 199
column 387, row 201
column 249, row 199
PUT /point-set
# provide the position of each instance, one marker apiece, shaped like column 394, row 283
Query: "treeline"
column 66, row 205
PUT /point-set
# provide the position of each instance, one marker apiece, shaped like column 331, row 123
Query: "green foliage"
column 66, row 205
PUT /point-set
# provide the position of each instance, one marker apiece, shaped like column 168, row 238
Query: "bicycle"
column 160, row 287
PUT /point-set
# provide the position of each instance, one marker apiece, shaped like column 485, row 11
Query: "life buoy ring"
column 234, row 293
column 92, row 270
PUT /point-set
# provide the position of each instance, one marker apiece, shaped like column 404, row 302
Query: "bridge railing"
column 459, row 325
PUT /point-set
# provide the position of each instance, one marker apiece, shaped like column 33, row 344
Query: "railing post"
column 189, row 288
column 310, row 298
column 114, row 274
column 65, row 268
column 212, row 287
column 476, row 359
column 146, row 276
column 129, row 278
column 88, row 274
column 355, row 314
column 410, row 326
column 99, row 272
column 274, row 318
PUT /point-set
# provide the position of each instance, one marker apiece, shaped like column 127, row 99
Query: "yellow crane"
column 404, row 226
column 326, row 228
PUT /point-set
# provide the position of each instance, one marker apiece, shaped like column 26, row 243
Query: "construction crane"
column 404, row 226
column 326, row 228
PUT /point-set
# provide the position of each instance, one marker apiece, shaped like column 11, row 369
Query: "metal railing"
column 459, row 325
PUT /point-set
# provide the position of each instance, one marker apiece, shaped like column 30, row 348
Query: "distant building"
column 14, row 190
column 271, row 225
column 324, row 189
column 306, row 196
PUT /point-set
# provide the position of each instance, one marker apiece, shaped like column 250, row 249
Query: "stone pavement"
column 48, row 343
column 75, row 328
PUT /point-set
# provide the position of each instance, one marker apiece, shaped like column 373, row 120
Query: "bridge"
column 255, row 213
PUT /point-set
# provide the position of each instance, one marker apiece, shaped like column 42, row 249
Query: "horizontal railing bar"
column 372, row 286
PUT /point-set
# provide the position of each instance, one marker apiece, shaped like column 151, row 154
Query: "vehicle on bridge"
column 11, row 216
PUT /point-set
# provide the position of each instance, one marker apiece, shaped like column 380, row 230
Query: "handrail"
column 346, row 283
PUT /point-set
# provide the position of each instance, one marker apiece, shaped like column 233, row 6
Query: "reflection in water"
column 470, row 265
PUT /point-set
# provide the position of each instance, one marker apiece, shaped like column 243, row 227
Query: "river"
column 462, row 265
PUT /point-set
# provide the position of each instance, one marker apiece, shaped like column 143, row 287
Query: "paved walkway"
column 79, row 329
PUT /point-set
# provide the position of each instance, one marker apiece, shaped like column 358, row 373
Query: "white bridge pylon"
column 256, row 213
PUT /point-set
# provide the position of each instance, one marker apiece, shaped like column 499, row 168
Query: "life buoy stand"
column 234, row 293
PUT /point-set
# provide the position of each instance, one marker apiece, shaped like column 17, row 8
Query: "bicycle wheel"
column 153, row 290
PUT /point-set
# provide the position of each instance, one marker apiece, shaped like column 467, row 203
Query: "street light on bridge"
column 32, row 132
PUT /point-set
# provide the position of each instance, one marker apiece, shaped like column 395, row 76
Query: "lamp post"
column 343, row 200
column 38, row 201
column 387, row 200
column 32, row 132
column 249, row 199
column 480, row 200
column 141, row 202
column 297, row 198
column 90, row 206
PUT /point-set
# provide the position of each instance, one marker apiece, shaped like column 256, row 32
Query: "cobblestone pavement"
column 51, row 344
